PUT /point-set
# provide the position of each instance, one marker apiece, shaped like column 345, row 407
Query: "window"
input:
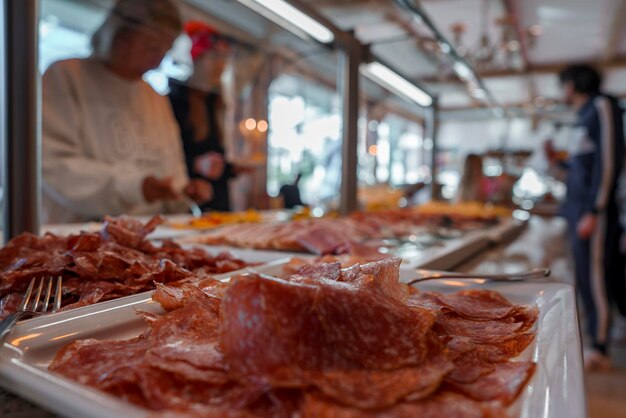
column 305, row 138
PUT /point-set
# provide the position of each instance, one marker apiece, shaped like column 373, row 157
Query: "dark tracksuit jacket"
column 594, row 166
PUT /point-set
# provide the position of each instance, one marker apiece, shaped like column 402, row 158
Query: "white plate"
column 556, row 390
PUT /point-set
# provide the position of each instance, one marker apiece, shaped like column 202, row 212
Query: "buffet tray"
column 444, row 257
column 507, row 230
column 556, row 390
column 450, row 255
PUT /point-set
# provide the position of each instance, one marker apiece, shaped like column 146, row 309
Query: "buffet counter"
column 539, row 245
column 520, row 246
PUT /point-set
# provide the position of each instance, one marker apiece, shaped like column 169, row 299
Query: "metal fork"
column 37, row 306
column 510, row 277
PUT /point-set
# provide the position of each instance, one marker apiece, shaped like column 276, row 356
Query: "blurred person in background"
column 473, row 183
column 593, row 166
column 200, row 112
column 475, row 186
column 111, row 144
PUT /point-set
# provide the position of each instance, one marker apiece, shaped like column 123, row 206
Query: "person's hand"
column 548, row 149
column 155, row 189
column 243, row 169
column 210, row 165
column 586, row 226
column 199, row 191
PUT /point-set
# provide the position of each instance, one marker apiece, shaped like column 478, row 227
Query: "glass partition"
column 273, row 111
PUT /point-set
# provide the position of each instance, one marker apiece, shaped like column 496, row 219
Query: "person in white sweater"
column 111, row 144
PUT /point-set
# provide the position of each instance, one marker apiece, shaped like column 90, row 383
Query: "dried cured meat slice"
column 129, row 232
column 360, row 253
column 189, row 335
column 442, row 405
column 107, row 365
column 478, row 304
column 375, row 389
column 526, row 315
column 317, row 273
column 163, row 390
column 469, row 367
column 320, row 239
column 205, row 412
column 372, row 330
column 171, row 298
column 298, row 324
column 10, row 303
column 165, row 271
column 503, row 350
column 269, row 330
column 383, row 277
column 477, row 331
column 503, row 384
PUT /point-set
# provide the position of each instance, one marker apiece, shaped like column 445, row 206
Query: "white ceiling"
column 572, row 31
column 513, row 89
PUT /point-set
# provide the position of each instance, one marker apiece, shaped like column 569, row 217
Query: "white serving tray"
column 451, row 254
column 507, row 230
column 249, row 255
column 556, row 390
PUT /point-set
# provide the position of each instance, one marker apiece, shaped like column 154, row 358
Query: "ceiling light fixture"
column 391, row 80
column 464, row 71
column 290, row 18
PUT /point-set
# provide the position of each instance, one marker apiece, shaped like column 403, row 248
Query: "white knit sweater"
column 102, row 135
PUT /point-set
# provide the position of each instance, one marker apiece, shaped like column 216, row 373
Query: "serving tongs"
column 193, row 206
column 536, row 273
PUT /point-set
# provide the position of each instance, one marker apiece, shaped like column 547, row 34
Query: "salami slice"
column 503, row 384
column 269, row 330
column 376, row 389
column 477, row 331
column 372, row 330
column 478, row 304
column 317, row 273
column 443, row 405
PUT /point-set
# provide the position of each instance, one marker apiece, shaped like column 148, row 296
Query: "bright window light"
column 292, row 19
column 387, row 78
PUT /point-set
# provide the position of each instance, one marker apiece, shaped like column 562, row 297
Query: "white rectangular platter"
column 451, row 254
column 556, row 390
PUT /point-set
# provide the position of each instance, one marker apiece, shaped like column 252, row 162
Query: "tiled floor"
column 542, row 245
column 606, row 392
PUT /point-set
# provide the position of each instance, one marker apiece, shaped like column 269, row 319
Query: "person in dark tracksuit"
column 594, row 165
